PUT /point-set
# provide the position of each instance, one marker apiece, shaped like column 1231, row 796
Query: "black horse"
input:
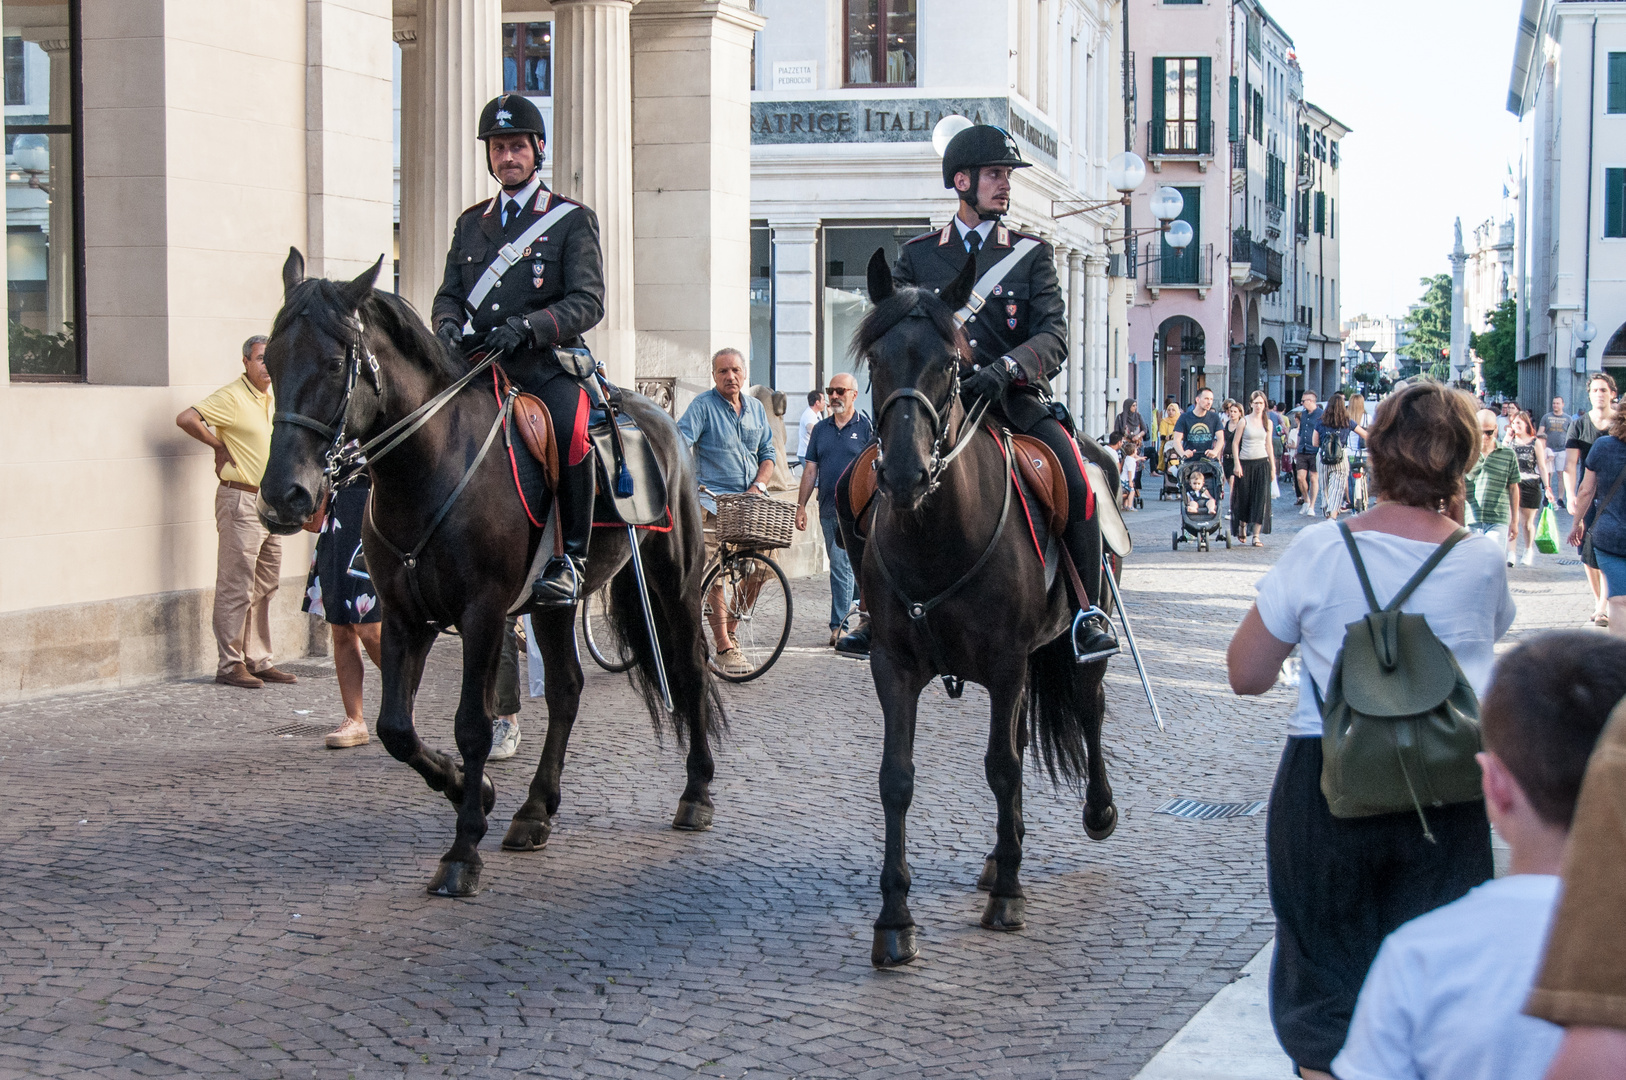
column 956, row 587
column 321, row 357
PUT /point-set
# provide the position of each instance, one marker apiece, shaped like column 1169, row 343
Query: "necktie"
column 973, row 242
column 507, row 211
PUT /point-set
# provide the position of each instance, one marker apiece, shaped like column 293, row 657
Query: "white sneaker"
column 1530, row 556
column 504, row 738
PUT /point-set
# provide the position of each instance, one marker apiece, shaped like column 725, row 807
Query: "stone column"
column 1459, row 310
column 691, row 148
column 349, row 125
column 796, row 304
column 1077, row 338
column 448, row 74
column 1096, row 405
column 59, row 302
column 592, row 154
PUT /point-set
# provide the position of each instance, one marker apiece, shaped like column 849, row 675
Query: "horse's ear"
column 958, row 291
column 880, row 277
column 362, row 286
column 293, row 271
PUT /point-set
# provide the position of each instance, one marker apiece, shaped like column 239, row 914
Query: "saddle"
column 1035, row 461
column 646, row 504
column 535, row 425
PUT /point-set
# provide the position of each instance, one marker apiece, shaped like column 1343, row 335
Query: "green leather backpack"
column 1400, row 723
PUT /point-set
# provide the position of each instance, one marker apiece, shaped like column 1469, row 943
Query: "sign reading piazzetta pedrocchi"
column 890, row 120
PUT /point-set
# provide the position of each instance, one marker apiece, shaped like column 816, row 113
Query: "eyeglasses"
column 835, row 390
column 1487, row 431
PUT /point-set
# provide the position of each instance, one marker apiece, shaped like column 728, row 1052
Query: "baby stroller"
column 1200, row 526
column 1171, row 475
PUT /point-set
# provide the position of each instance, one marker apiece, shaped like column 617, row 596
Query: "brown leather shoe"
column 271, row 674
column 238, row 675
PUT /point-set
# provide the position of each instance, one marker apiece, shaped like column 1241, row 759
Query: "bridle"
column 340, row 466
column 938, row 415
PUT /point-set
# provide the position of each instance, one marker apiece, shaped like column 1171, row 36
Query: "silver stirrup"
column 1079, row 620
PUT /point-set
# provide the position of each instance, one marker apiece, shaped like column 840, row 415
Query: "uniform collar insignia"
column 948, row 234
column 1002, row 236
column 490, row 206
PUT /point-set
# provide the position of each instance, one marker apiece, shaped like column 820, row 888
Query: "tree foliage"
column 1495, row 349
column 1428, row 326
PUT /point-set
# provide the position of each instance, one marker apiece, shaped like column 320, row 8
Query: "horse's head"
column 914, row 351
column 317, row 356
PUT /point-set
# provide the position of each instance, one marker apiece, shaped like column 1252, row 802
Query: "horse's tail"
column 1063, row 704
column 676, row 606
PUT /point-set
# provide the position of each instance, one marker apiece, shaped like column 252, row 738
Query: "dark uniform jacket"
column 558, row 284
column 1024, row 318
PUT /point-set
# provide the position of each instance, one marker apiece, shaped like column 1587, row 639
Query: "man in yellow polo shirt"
column 235, row 422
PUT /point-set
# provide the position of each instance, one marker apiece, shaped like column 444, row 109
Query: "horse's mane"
column 323, row 303
column 903, row 304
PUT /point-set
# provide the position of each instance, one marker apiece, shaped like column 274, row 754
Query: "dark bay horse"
column 344, row 356
column 938, row 533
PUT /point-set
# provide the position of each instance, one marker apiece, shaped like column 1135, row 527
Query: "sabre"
column 1134, row 650
column 649, row 619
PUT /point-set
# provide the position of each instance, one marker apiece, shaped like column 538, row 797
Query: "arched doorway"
column 1271, row 368
column 1179, row 350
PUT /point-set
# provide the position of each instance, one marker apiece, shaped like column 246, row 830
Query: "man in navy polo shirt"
column 836, row 441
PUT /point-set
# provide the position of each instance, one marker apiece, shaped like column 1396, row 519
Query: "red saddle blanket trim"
column 513, row 463
column 1027, row 512
column 648, row 528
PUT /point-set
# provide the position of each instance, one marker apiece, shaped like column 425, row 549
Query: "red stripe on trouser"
column 578, row 434
column 1089, row 491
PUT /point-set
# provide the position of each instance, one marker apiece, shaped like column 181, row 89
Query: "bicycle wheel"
column 750, row 592
column 604, row 645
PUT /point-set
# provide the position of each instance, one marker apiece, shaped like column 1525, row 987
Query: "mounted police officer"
column 1018, row 338
column 547, row 291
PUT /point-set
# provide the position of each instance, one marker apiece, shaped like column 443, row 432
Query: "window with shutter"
column 1617, row 83
column 1321, row 213
column 1614, row 202
column 1205, row 105
column 1159, row 111
column 1236, row 105
column 1182, row 105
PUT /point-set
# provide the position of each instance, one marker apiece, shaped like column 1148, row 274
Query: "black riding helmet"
column 512, row 114
column 975, row 147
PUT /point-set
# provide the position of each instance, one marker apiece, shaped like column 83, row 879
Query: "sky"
column 1423, row 83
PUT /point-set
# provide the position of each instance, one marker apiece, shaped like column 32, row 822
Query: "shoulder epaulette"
column 923, row 236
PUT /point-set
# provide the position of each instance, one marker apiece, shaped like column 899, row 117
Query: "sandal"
column 1258, row 542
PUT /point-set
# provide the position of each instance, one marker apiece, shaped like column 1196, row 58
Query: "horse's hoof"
column 523, row 835
column 455, row 878
column 990, row 870
column 893, row 948
column 692, row 817
column 1099, row 826
column 1005, row 913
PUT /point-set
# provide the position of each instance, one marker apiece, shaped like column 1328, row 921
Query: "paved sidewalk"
column 187, row 892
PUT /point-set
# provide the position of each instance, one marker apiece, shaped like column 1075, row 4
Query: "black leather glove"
column 989, row 381
column 451, row 336
column 513, row 333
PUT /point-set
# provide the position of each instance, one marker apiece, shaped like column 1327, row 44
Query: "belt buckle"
column 509, row 254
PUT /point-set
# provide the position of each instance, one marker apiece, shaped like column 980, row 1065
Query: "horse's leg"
column 1007, row 903
column 555, row 637
column 1100, row 813
column 990, row 869
column 459, row 870
column 898, row 688
column 695, row 697
column 404, row 646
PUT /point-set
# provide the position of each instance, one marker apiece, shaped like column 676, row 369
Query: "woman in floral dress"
column 340, row 591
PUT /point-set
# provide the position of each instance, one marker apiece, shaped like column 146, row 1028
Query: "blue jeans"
column 841, row 573
column 1497, row 531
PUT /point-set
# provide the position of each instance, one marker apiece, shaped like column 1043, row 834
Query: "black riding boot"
column 1094, row 640
column 563, row 580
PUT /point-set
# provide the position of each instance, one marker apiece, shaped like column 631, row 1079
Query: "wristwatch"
column 760, row 486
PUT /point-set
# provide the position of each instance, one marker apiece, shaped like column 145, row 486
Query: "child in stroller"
column 1199, row 500
column 1198, row 488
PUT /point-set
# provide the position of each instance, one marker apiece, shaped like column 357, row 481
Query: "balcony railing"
column 1194, row 266
column 1295, row 336
column 1239, row 154
column 1264, row 263
column 1180, row 138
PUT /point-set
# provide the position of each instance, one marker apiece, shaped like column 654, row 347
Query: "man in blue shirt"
column 1306, row 476
column 733, row 453
column 836, row 442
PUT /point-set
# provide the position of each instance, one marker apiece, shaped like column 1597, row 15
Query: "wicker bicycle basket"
column 753, row 520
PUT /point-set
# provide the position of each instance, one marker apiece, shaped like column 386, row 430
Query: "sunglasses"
column 833, row 391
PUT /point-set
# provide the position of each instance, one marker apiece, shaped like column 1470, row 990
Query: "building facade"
column 842, row 164
column 1252, row 304
column 163, row 155
column 1568, row 89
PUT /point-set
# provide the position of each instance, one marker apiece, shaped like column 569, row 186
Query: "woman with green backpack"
column 1375, row 815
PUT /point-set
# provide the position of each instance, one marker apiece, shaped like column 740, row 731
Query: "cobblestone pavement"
column 186, row 892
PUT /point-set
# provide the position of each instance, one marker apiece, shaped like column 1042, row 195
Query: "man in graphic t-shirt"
column 1554, row 428
column 1197, row 431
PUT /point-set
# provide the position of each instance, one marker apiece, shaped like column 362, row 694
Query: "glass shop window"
column 880, row 37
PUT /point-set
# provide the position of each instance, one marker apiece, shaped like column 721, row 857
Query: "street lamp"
column 1179, row 235
column 1167, row 203
column 1584, row 333
column 1124, row 172
column 33, row 157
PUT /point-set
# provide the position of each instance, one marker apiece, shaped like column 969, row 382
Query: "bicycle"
column 749, row 591
column 604, row 645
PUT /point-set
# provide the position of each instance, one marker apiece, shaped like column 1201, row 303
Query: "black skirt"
column 1250, row 497
column 1339, row 886
column 339, row 588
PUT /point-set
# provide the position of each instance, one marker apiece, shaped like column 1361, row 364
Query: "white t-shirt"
column 1313, row 593
column 1443, row 998
column 809, row 419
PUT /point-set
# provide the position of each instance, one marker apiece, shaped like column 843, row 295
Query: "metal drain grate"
column 1569, row 562
column 289, row 731
column 1197, row 810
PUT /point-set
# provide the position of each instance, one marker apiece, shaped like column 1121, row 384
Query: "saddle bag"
column 1400, row 723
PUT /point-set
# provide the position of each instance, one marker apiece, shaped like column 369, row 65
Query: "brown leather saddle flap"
column 1042, row 472
column 536, row 428
column 861, row 481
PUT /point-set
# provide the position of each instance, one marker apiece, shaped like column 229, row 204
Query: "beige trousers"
column 249, row 565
